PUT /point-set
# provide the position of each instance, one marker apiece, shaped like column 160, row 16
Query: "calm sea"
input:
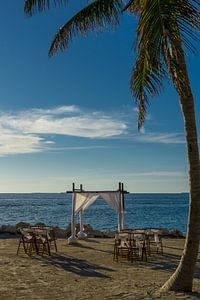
column 142, row 210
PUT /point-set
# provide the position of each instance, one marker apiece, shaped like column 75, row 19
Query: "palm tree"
column 165, row 28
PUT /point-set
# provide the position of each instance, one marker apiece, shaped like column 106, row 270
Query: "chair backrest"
column 26, row 233
column 46, row 231
column 122, row 239
column 140, row 236
column 154, row 234
column 51, row 234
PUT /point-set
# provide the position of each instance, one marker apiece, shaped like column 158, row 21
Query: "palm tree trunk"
column 182, row 278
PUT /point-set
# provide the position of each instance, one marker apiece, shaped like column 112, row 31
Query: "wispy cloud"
column 57, row 110
column 159, row 138
column 28, row 131
column 133, row 175
column 33, row 130
column 18, row 143
column 62, row 121
column 158, row 174
column 77, row 148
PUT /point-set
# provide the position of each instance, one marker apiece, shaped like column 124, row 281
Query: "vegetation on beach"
column 164, row 30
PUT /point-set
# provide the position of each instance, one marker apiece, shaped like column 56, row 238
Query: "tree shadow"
column 195, row 295
column 75, row 265
column 176, row 248
column 169, row 262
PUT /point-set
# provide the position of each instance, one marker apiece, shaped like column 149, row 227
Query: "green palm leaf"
column 161, row 24
column 32, row 6
column 94, row 17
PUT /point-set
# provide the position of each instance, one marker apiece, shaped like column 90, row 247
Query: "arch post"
column 72, row 239
column 122, row 206
column 81, row 234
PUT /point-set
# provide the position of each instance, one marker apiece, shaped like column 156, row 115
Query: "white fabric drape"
column 113, row 199
column 84, row 200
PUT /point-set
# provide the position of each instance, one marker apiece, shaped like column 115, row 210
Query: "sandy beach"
column 87, row 271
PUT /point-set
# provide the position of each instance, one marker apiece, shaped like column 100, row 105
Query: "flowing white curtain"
column 84, row 200
column 113, row 199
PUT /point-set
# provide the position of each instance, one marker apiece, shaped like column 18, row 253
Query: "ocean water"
column 141, row 210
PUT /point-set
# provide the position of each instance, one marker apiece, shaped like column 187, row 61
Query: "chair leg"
column 117, row 255
column 131, row 255
column 144, row 254
column 148, row 249
column 48, row 248
column 29, row 249
column 55, row 246
column 24, row 246
column 114, row 253
column 161, row 246
column 18, row 247
column 43, row 249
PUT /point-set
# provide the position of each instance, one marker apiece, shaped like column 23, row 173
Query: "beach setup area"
column 45, row 262
column 87, row 270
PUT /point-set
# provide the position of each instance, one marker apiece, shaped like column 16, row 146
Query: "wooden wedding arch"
column 82, row 199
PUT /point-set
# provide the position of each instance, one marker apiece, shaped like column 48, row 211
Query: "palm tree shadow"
column 169, row 262
column 195, row 295
column 75, row 265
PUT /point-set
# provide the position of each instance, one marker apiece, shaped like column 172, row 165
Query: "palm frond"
column 149, row 71
column 161, row 24
column 94, row 17
column 32, row 6
column 146, row 80
column 133, row 6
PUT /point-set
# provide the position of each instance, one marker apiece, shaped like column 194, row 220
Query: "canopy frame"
column 82, row 199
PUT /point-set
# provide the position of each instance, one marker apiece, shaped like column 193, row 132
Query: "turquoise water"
column 142, row 210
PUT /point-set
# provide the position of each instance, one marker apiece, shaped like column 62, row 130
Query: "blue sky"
column 71, row 118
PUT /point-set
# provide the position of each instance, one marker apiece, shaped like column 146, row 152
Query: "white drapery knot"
column 84, row 200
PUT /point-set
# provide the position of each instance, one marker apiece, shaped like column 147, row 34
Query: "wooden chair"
column 41, row 239
column 121, row 246
column 35, row 240
column 49, row 234
column 52, row 237
column 27, row 239
column 129, row 246
column 154, row 242
column 139, row 241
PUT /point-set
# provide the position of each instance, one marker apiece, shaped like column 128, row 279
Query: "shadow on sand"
column 85, row 246
column 168, row 262
column 194, row 295
column 77, row 266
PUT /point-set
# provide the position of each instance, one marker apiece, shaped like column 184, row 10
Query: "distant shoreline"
column 13, row 231
column 58, row 193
